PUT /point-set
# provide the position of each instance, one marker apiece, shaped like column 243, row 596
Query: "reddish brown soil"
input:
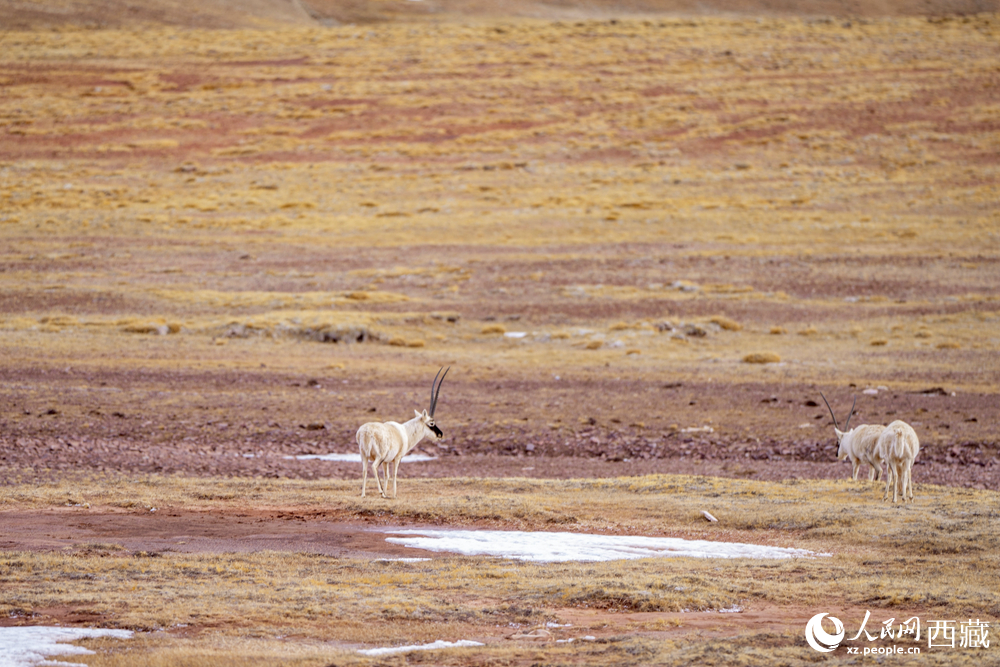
column 145, row 423
column 186, row 531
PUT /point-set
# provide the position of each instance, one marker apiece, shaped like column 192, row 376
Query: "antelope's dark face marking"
column 428, row 421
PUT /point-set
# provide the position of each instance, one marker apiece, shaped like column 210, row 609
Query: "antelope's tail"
column 898, row 442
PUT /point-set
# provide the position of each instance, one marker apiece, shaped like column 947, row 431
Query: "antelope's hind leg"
column 375, row 464
column 364, row 475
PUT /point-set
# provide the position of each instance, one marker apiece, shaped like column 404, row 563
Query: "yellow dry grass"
column 528, row 134
column 936, row 557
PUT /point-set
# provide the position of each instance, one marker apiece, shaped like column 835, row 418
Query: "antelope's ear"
column 417, row 414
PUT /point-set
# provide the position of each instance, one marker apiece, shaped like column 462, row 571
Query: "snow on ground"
column 419, row 647
column 561, row 547
column 28, row 646
column 356, row 458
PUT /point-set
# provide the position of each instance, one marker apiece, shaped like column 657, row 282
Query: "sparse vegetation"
column 219, row 248
column 762, row 358
column 251, row 599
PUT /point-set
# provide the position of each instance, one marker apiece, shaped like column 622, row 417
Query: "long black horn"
column 430, row 406
column 831, row 411
column 848, row 424
column 436, row 392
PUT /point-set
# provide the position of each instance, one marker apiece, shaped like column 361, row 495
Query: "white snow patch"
column 356, row 458
column 32, row 645
column 515, row 334
column 562, row 547
column 735, row 609
column 419, row 647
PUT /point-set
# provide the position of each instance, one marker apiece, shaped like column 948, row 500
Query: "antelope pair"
column 382, row 443
column 896, row 444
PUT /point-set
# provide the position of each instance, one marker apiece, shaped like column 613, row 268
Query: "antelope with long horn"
column 388, row 442
column 858, row 444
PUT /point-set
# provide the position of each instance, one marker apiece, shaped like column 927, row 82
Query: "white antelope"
column 385, row 443
column 899, row 446
column 859, row 444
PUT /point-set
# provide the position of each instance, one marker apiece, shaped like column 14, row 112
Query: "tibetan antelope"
column 898, row 445
column 858, row 444
column 385, row 443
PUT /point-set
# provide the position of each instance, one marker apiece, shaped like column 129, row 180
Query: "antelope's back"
column 375, row 438
column 898, row 438
column 867, row 439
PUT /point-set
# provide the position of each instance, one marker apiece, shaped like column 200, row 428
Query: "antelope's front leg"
column 395, row 476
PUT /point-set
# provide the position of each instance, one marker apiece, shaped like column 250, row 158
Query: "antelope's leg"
column 375, row 464
column 395, row 476
column 364, row 475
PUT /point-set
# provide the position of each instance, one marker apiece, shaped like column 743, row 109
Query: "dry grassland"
column 936, row 558
column 828, row 188
column 223, row 243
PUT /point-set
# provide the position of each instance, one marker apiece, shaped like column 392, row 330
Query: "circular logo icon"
column 819, row 638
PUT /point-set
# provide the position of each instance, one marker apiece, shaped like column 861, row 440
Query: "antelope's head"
column 427, row 416
column 841, row 450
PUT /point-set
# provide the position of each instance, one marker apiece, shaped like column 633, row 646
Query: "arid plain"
column 644, row 245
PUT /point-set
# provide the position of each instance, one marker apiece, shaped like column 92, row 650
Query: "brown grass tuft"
column 726, row 323
column 762, row 358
